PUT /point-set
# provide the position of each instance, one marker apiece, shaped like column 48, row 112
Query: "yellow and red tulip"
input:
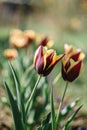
column 45, row 60
column 72, row 63
column 10, row 53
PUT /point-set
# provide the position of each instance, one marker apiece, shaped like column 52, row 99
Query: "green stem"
column 52, row 110
column 32, row 94
column 60, row 105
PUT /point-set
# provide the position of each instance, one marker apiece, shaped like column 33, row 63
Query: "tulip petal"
column 67, row 65
column 56, row 59
column 67, row 48
column 44, row 41
column 47, row 54
column 54, row 62
column 75, row 57
column 82, row 56
column 74, row 72
column 49, row 60
column 39, row 60
column 64, row 74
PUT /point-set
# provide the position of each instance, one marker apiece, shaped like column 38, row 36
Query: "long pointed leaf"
column 40, row 128
column 65, row 111
column 46, row 123
column 17, row 86
column 71, row 118
column 15, row 111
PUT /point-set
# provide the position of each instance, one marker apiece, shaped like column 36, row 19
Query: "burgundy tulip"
column 72, row 63
column 45, row 60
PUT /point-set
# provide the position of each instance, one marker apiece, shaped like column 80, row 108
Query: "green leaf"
column 47, row 127
column 46, row 123
column 70, row 119
column 17, row 87
column 15, row 111
column 32, row 95
column 68, row 108
column 40, row 128
column 47, row 119
column 52, row 111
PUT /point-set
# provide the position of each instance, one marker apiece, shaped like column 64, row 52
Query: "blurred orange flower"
column 18, row 39
column 10, row 53
column 30, row 34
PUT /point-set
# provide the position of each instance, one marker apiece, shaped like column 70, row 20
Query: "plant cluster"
column 31, row 60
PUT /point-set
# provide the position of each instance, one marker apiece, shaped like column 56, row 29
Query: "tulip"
column 30, row 34
column 18, row 38
column 45, row 60
column 10, row 53
column 72, row 63
column 46, row 42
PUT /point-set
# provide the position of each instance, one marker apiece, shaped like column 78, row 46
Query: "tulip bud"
column 47, row 42
column 45, row 60
column 72, row 63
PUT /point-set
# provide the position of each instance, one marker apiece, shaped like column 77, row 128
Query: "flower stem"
column 32, row 94
column 52, row 110
column 60, row 105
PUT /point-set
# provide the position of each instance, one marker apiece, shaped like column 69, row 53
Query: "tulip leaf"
column 40, row 128
column 52, row 110
column 15, row 111
column 47, row 119
column 47, row 127
column 17, row 87
column 46, row 123
column 65, row 111
column 70, row 119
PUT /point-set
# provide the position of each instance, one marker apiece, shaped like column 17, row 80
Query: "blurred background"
column 63, row 20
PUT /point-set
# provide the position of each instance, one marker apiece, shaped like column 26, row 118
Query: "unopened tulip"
column 72, row 63
column 45, row 60
column 47, row 42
